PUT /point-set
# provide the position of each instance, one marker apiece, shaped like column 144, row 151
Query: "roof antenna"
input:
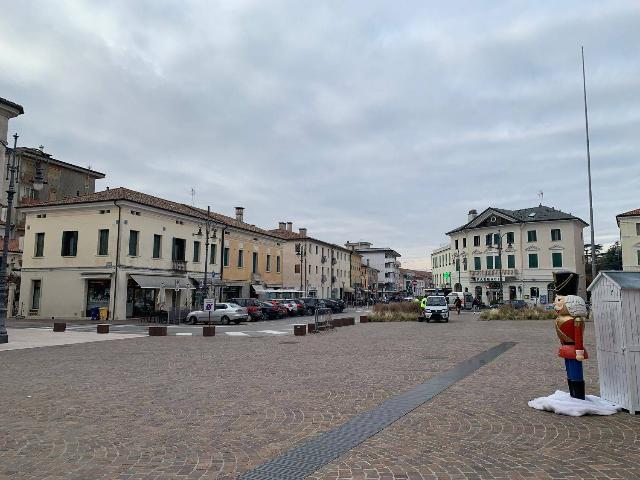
column 193, row 197
column 541, row 196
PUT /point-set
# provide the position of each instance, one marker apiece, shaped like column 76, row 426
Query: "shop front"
column 148, row 295
column 98, row 296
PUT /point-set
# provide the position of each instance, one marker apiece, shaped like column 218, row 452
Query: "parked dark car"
column 310, row 304
column 301, row 306
column 333, row 305
column 271, row 311
column 252, row 305
column 282, row 310
column 341, row 302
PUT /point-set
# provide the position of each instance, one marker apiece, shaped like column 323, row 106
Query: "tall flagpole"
column 586, row 124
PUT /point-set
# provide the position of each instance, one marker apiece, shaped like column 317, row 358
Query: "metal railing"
column 180, row 265
column 323, row 319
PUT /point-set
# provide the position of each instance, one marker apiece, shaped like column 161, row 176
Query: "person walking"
column 476, row 305
column 458, row 305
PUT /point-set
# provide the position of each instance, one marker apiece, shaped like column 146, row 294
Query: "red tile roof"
column 14, row 245
column 122, row 193
column 290, row 235
column 630, row 213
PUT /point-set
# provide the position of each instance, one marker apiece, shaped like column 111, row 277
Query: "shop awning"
column 158, row 282
column 258, row 289
column 348, row 290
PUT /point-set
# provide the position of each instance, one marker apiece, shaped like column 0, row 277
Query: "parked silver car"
column 224, row 313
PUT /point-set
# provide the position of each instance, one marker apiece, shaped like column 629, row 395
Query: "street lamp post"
column 208, row 234
column 456, row 258
column 13, row 168
column 500, row 235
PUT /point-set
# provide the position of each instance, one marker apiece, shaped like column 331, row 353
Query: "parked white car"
column 224, row 313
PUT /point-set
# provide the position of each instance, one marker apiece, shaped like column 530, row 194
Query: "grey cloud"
column 384, row 123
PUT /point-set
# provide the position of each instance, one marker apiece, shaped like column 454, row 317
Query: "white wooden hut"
column 615, row 303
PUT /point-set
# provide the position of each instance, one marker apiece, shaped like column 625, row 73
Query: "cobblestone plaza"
column 194, row 407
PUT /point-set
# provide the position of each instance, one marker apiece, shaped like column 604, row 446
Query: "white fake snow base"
column 564, row 404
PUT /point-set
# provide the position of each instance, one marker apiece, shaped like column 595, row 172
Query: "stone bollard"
column 364, row 319
column 300, row 330
column 157, row 330
column 59, row 326
column 311, row 327
column 209, row 331
column 102, row 328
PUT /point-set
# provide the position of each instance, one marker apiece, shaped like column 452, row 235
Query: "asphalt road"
column 283, row 326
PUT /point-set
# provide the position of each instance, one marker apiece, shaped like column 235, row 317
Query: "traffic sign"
column 209, row 304
column 415, row 283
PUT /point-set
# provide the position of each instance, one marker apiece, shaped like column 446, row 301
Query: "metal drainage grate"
column 301, row 461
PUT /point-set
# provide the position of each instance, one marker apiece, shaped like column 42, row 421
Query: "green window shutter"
column 477, row 263
column 489, row 262
column 511, row 261
column 214, row 253
column 533, row 260
column 498, row 262
column 556, row 259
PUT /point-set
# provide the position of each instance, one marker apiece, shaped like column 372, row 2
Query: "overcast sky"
column 370, row 120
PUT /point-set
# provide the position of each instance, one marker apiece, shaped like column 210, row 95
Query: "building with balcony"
column 513, row 251
column 416, row 281
column 385, row 260
column 315, row 267
column 134, row 253
column 60, row 180
column 629, row 225
column 441, row 266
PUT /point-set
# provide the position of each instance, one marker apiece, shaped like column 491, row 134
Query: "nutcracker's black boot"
column 571, row 388
column 578, row 388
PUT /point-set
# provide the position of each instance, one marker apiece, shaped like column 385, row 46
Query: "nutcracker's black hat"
column 566, row 283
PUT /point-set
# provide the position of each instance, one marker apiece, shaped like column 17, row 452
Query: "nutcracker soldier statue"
column 571, row 311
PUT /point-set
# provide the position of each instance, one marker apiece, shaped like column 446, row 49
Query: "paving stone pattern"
column 215, row 408
column 307, row 458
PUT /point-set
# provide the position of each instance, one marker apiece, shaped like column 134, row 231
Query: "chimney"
column 240, row 214
column 472, row 214
column 289, row 226
column 303, row 232
column 282, row 226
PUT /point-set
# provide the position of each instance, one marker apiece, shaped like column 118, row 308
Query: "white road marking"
column 183, row 334
column 273, row 332
column 236, row 334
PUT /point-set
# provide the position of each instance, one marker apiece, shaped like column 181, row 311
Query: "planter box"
column 209, row 331
column 157, row 330
column 364, row 319
column 300, row 330
column 311, row 327
column 59, row 326
column 102, row 328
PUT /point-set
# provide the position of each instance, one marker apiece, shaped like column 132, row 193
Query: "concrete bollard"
column 157, row 330
column 59, row 326
column 364, row 319
column 209, row 331
column 300, row 330
column 102, row 328
column 311, row 327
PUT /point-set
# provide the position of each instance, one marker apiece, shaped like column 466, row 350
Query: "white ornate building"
column 522, row 247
